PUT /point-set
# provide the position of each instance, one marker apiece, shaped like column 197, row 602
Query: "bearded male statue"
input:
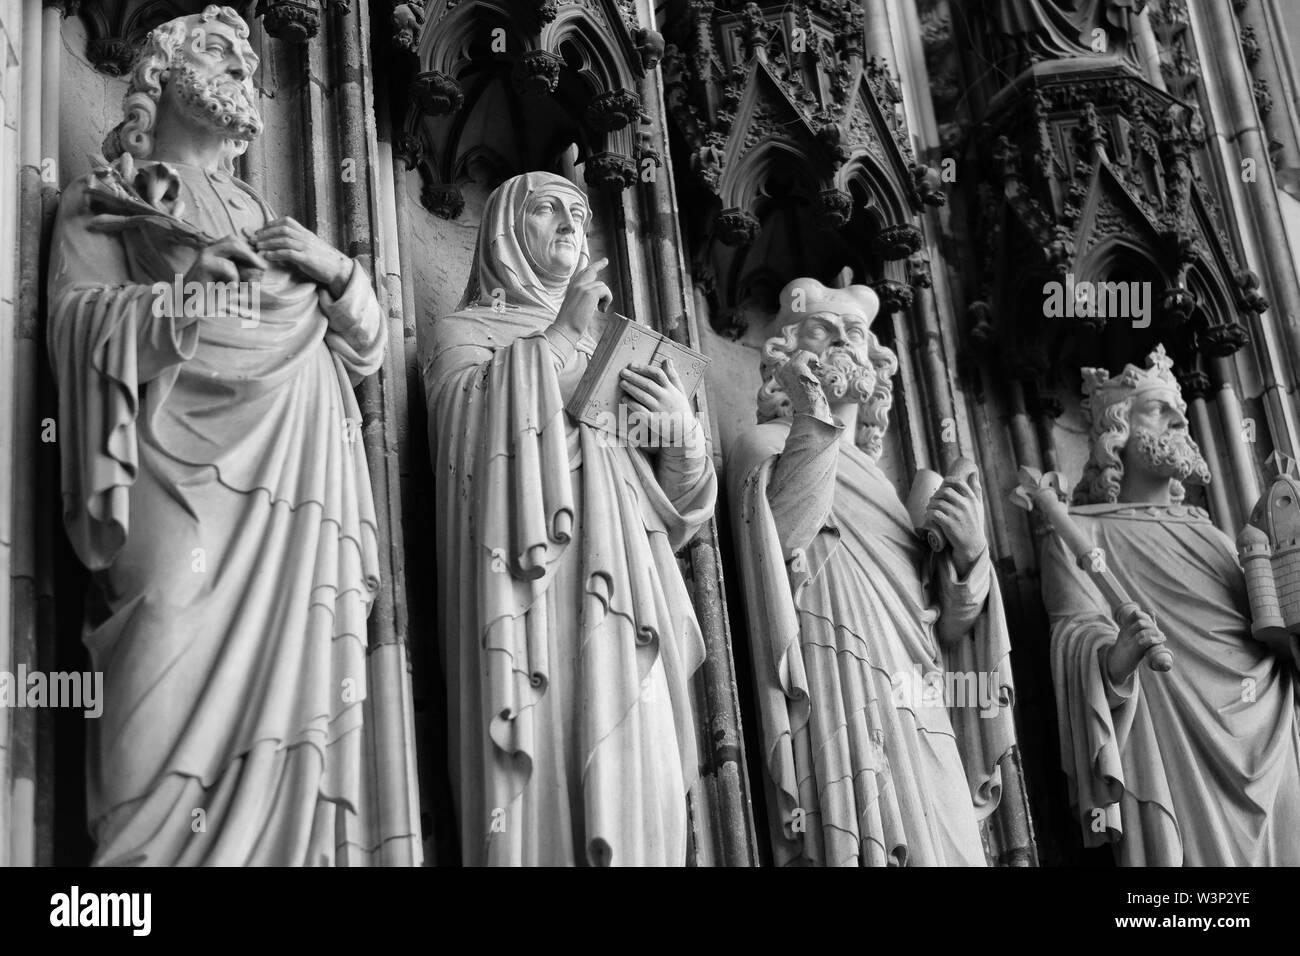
column 1198, row 765
column 568, row 635
column 849, row 611
column 214, row 485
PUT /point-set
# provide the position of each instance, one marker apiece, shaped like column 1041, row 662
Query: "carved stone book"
column 627, row 342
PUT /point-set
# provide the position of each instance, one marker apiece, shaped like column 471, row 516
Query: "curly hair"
column 1104, row 472
column 772, row 399
column 161, row 53
column 876, row 412
column 773, row 402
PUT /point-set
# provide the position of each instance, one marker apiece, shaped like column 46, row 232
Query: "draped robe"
column 1063, row 28
column 1197, row 766
column 215, row 484
column 842, row 623
column 568, row 636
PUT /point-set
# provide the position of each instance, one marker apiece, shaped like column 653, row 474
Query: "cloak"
column 862, row 772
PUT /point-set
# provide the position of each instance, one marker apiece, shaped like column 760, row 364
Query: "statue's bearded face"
column 1159, row 442
column 212, row 78
column 554, row 230
column 840, row 341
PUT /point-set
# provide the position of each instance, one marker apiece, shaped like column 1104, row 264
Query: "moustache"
column 842, row 374
column 221, row 101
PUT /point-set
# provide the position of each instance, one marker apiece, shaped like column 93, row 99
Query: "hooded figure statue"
column 568, row 636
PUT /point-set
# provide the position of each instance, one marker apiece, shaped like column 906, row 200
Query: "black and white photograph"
column 657, row 434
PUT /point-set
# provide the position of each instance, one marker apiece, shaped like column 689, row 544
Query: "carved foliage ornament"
column 650, row 45
column 1221, row 341
column 537, row 73
column 614, row 110
column 894, row 296
column 610, row 170
column 835, row 207
column 735, row 227
column 111, row 55
column 407, row 19
column 437, row 94
column 444, row 200
column 898, row 241
column 408, row 146
column 295, row 21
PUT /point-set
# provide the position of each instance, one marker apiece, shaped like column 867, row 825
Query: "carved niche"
column 795, row 146
column 499, row 87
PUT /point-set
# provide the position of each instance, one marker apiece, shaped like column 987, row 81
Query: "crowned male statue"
column 568, row 633
column 849, row 610
column 1198, row 765
column 205, row 352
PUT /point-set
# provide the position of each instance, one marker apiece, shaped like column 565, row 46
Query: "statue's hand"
column 957, row 508
column 1138, row 635
column 658, row 398
column 289, row 242
column 225, row 261
column 798, row 377
column 585, row 294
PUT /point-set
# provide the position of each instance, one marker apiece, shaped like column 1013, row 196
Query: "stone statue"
column 882, row 669
column 213, row 482
column 1198, row 765
column 568, row 634
column 1051, row 29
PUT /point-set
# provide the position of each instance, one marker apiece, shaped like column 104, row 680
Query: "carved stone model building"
column 963, row 158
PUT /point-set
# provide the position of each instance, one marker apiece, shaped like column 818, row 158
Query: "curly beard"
column 844, row 378
column 1171, row 455
column 220, row 102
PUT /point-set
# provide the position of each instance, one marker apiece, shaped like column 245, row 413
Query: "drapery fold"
column 214, row 480
column 556, row 549
column 1199, row 766
column 861, row 771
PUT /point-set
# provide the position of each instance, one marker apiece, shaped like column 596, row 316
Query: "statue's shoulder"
column 73, row 195
column 1132, row 519
column 757, row 444
column 1187, row 514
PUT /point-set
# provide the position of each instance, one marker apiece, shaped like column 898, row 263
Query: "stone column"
column 10, row 146
column 1243, row 137
column 1011, row 823
column 345, row 46
column 35, row 481
column 1242, row 471
column 722, row 747
column 1196, row 387
column 879, row 44
column 1275, row 66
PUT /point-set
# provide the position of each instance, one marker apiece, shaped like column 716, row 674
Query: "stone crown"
column 1100, row 390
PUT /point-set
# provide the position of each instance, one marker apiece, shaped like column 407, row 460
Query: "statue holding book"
column 880, row 651
column 1193, row 758
column 568, row 633
column 214, row 486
